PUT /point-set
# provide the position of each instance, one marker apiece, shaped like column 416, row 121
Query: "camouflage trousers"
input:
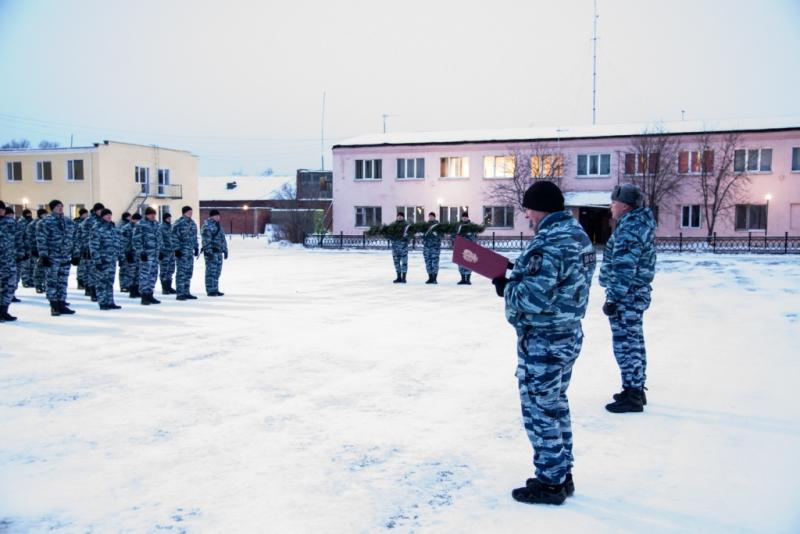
column 85, row 272
column 213, row 271
column 27, row 272
column 166, row 268
column 56, row 278
column 104, row 282
column 431, row 256
column 400, row 256
column 148, row 274
column 628, row 343
column 183, row 273
column 38, row 274
column 464, row 270
column 125, row 274
column 544, row 370
column 8, row 283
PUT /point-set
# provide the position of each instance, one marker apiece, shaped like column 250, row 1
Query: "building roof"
column 93, row 147
column 571, row 132
column 587, row 199
column 247, row 188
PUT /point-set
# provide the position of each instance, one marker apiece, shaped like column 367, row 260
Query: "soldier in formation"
column 8, row 263
column 147, row 245
column 431, row 249
column 104, row 249
column 128, row 255
column 31, row 243
column 82, row 251
column 186, row 250
column 26, row 270
column 166, row 265
column 54, row 241
column 215, row 249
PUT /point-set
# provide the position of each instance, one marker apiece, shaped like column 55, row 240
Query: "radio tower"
column 594, row 67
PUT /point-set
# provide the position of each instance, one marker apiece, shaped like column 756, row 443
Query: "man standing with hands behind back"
column 546, row 297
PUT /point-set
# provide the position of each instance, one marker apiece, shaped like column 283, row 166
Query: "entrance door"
column 597, row 223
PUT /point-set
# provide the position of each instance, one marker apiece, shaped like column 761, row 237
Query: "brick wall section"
column 237, row 220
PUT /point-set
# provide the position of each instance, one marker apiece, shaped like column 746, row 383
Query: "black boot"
column 189, row 296
column 4, row 316
column 398, row 279
column 40, row 290
column 15, row 299
column 55, row 309
column 81, row 285
column 430, row 279
column 87, row 291
column 469, row 282
column 569, row 484
column 631, row 402
column 622, row 394
column 64, row 310
column 145, row 300
column 170, row 290
column 463, row 280
column 153, row 300
column 435, row 276
column 134, row 293
column 403, row 278
column 537, row 492
column 94, row 294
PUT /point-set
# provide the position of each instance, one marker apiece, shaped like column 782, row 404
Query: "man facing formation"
column 166, row 257
column 104, row 249
column 546, row 297
column 186, row 249
column 215, row 248
column 431, row 249
column 465, row 273
column 399, row 242
column 147, row 245
column 54, row 237
column 8, row 263
column 628, row 269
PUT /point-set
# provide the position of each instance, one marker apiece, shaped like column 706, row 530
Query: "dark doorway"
column 597, row 223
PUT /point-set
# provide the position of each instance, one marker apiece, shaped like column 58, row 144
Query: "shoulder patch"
column 588, row 259
column 535, row 263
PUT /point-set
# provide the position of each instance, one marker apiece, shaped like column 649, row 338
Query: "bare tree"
column 521, row 168
column 651, row 163
column 719, row 184
column 16, row 144
column 48, row 144
column 293, row 220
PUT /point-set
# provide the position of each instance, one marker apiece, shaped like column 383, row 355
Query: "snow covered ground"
column 317, row 396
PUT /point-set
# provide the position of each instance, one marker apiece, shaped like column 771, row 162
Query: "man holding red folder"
column 546, row 296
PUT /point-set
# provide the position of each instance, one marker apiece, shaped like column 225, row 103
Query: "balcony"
column 174, row 191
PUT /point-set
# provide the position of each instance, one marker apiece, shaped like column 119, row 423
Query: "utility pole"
column 385, row 115
column 322, row 136
column 594, row 67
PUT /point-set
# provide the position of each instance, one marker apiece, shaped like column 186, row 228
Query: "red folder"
column 479, row 259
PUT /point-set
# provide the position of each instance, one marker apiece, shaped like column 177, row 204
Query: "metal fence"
column 718, row 245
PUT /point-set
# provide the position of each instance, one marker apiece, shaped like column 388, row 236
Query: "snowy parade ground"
column 317, row 396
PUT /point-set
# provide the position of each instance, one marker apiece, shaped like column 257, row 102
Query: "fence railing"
column 757, row 244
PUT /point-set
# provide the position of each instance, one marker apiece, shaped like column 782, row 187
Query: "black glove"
column 610, row 308
column 86, row 254
column 160, row 256
column 510, row 265
column 35, row 253
column 129, row 256
column 196, row 252
column 500, row 285
column 44, row 261
column 76, row 260
column 178, row 254
column 225, row 254
column 25, row 257
column 215, row 250
column 143, row 256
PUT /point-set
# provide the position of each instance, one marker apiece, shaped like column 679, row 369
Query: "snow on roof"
column 571, row 132
column 247, row 187
column 596, row 199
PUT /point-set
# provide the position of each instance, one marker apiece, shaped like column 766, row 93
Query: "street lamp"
column 767, row 197
column 25, row 203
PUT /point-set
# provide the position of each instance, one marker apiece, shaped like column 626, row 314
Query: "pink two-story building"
column 376, row 176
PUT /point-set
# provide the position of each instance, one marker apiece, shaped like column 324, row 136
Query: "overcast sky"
column 240, row 83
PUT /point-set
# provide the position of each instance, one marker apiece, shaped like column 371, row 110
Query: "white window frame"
column 747, row 153
column 588, row 156
column 10, row 175
column 413, row 214
column 450, row 163
column 40, row 171
column 74, row 209
column 144, row 186
column 508, row 211
column 417, row 167
column 795, row 150
column 162, row 210
column 161, row 188
column 449, row 213
column 365, row 165
column 691, row 208
column 499, row 167
column 70, row 170
column 377, row 215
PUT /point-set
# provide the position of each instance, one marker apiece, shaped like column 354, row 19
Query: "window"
column 751, row 217
column 641, row 164
column 74, row 209
column 369, row 169
column 498, row 167
column 796, row 159
column 44, row 171
column 14, row 171
column 454, row 168
column 753, row 160
column 74, row 170
column 410, row 168
column 163, row 181
column 368, row 215
column 413, row 214
column 163, row 209
column 548, row 165
column 142, row 177
column 690, row 162
column 451, row 214
column 594, row 164
column 690, row 216
column 499, row 216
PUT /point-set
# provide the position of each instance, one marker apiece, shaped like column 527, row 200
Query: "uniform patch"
column 535, row 263
column 588, row 259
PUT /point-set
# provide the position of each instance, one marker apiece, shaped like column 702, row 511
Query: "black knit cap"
column 54, row 203
column 98, row 206
column 126, row 216
column 40, row 212
column 2, row 205
column 543, row 196
column 150, row 211
column 213, row 212
column 185, row 209
column 166, row 216
column 105, row 212
column 26, row 212
column 9, row 210
column 136, row 217
column 82, row 211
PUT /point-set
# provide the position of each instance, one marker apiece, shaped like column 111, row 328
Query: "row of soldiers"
column 40, row 253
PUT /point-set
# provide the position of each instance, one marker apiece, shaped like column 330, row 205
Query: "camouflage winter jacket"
column 184, row 230
column 167, row 238
column 549, row 285
column 629, row 259
column 147, row 239
column 30, row 236
column 105, row 244
column 213, row 238
column 432, row 239
column 54, row 237
column 8, row 242
column 22, row 228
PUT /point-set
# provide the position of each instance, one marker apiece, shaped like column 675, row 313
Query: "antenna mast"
column 594, row 67
column 322, row 135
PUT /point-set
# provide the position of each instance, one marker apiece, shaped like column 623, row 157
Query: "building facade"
column 377, row 176
column 123, row 176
